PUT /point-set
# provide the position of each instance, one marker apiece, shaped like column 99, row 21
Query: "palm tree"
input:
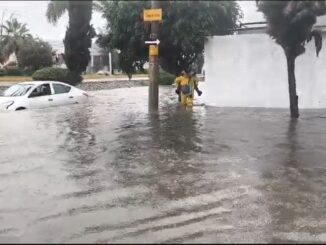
column 79, row 33
column 55, row 10
column 291, row 23
column 14, row 34
column 2, row 56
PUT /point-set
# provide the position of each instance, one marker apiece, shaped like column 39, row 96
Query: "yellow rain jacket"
column 181, row 80
column 187, row 99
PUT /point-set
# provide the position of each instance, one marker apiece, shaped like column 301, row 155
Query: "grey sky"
column 250, row 11
column 33, row 13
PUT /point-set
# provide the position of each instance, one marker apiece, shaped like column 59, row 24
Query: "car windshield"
column 17, row 90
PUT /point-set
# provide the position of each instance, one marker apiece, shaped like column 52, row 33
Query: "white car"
column 40, row 94
column 103, row 72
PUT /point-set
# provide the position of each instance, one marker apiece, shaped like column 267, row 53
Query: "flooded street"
column 108, row 172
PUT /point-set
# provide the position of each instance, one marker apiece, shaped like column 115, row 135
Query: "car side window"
column 60, row 88
column 41, row 90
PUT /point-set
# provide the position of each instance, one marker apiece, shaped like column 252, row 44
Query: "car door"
column 40, row 97
column 62, row 95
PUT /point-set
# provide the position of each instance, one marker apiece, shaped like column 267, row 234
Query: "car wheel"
column 20, row 108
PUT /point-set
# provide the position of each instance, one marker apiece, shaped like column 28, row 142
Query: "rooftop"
column 261, row 25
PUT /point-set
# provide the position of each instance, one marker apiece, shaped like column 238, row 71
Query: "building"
column 12, row 59
column 100, row 60
column 249, row 69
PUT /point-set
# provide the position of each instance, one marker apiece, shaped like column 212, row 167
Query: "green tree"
column 79, row 33
column 2, row 54
column 183, row 31
column 125, row 32
column 13, row 36
column 186, row 26
column 3, row 19
column 290, row 23
column 34, row 54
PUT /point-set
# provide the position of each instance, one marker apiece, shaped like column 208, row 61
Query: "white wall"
column 250, row 71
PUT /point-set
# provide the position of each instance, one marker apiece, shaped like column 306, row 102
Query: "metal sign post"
column 153, row 15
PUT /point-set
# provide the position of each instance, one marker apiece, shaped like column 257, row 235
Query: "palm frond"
column 55, row 10
column 318, row 40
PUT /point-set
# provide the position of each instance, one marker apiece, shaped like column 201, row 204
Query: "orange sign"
column 153, row 50
column 152, row 14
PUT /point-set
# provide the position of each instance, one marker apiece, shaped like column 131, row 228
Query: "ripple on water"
column 108, row 171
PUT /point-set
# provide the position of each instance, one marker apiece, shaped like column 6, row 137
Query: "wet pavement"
column 108, row 172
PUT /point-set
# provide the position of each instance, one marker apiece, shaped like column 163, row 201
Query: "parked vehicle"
column 103, row 72
column 40, row 94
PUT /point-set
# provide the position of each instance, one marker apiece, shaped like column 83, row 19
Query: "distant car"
column 103, row 72
column 40, row 94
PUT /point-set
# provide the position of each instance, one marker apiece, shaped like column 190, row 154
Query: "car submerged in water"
column 40, row 94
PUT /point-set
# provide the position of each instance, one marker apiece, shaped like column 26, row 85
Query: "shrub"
column 2, row 72
column 11, row 64
column 57, row 74
column 166, row 78
column 14, row 71
column 142, row 72
column 28, row 72
column 34, row 54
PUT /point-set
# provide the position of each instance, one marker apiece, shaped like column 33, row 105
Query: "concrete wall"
column 250, row 71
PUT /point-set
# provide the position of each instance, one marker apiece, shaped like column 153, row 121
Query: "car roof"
column 41, row 82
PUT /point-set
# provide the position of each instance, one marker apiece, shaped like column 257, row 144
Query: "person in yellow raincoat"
column 194, row 81
column 185, row 88
column 180, row 79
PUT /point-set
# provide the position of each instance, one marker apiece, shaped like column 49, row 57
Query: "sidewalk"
column 7, row 84
column 109, row 79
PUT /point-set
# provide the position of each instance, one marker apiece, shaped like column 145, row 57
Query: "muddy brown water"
column 110, row 172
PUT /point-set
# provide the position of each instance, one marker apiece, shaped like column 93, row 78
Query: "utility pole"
column 154, row 65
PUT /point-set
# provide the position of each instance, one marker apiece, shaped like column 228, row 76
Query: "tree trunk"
column 292, row 86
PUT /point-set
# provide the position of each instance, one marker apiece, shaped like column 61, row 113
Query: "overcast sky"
column 33, row 13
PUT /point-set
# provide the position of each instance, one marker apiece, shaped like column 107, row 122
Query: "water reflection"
column 157, row 151
column 176, row 136
column 292, row 137
column 284, row 210
column 79, row 149
column 290, row 194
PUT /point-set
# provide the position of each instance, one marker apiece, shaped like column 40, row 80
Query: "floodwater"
column 108, row 172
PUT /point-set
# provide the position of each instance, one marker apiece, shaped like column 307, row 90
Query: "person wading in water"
column 186, row 85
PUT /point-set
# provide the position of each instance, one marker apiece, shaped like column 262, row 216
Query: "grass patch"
column 97, row 76
column 15, row 78
column 94, row 76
